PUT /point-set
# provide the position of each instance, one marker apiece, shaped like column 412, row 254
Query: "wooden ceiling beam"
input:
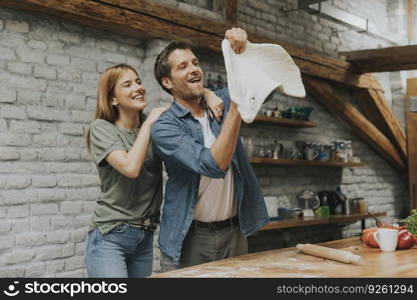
column 309, row 62
column 138, row 18
column 384, row 118
column 383, row 60
column 326, row 95
column 169, row 14
column 412, row 158
column 115, row 19
column 230, row 11
column 412, row 143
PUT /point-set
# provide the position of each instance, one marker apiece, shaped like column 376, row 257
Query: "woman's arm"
column 130, row 163
column 215, row 104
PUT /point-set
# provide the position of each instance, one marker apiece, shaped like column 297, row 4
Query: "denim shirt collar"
column 180, row 111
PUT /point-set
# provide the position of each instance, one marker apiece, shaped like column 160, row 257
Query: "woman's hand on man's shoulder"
column 156, row 113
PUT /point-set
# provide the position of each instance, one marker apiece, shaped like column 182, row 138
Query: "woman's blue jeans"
column 126, row 251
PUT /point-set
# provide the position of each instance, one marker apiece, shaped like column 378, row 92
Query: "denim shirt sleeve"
column 172, row 143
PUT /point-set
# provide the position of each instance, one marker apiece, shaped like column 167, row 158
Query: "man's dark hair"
column 162, row 68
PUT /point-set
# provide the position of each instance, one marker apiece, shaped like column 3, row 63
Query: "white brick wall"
column 49, row 72
column 48, row 185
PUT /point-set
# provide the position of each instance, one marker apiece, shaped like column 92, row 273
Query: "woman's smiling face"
column 129, row 93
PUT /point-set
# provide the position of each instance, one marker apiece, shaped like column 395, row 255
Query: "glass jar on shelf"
column 276, row 113
column 249, row 146
column 349, row 151
column 261, row 144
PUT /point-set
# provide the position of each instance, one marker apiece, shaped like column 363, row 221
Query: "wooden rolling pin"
column 330, row 253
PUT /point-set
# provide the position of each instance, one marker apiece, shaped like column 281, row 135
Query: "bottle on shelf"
column 349, row 151
column 276, row 112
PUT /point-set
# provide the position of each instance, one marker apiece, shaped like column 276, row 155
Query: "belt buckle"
column 144, row 224
column 148, row 225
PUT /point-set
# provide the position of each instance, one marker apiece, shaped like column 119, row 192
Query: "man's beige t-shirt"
column 216, row 196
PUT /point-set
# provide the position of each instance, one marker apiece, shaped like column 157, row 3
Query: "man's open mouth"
column 195, row 80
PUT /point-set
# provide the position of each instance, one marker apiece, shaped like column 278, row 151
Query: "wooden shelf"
column 300, row 162
column 284, row 122
column 308, row 221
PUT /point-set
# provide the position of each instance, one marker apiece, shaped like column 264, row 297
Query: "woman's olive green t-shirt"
column 123, row 199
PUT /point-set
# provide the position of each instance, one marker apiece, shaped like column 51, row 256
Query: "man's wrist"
column 233, row 106
column 233, row 110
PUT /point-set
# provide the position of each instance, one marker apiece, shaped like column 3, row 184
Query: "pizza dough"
column 254, row 74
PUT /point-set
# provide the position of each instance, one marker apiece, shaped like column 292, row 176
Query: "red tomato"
column 368, row 237
column 405, row 239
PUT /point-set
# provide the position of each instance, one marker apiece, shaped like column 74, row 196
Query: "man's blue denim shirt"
column 178, row 139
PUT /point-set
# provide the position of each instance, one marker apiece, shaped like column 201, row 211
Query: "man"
column 212, row 197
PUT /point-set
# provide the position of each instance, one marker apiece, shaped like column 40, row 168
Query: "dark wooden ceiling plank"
column 138, row 18
column 383, row 115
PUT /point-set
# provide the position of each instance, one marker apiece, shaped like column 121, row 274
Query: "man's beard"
column 192, row 95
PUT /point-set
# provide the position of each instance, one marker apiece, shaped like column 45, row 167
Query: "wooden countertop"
column 289, row 262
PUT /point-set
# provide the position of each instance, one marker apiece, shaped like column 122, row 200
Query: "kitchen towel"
column 254, row 74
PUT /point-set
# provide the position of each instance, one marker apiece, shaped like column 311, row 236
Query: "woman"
column 120, row 240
